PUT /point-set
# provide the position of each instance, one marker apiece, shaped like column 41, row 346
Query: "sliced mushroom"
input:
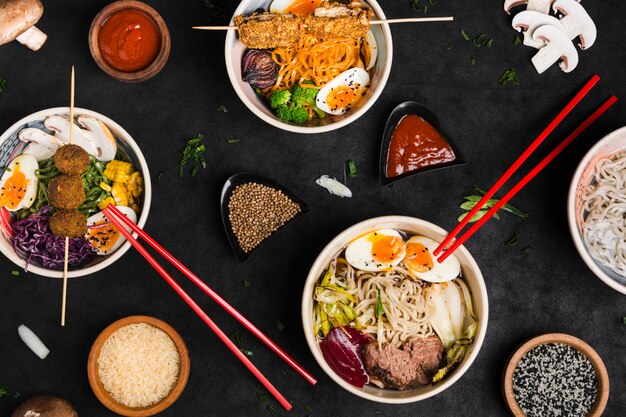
column 103, row 139
column 577, row 22
column 40, row 152
column 31, row 134
column 528, row 20
column 541, row 6
column 61, row 126
column 558, row 46
column 17, row 22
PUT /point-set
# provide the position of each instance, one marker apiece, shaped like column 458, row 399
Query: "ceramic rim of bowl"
column 123, row 136
column 274, row 121
column 307, row 306
column 591, row 263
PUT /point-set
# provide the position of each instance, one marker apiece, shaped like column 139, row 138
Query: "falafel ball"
column 68, row 223
column 66, row 192
column 71, row 159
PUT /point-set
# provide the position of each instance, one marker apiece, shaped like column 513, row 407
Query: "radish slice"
column 33, row 342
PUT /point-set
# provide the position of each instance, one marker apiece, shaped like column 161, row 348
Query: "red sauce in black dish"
column 416, row 144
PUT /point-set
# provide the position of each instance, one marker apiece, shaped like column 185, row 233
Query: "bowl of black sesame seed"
column 254, row 208
column 556, row 375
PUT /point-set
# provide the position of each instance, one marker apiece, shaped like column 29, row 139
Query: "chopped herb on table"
column 472, row 200
column 261, row 395
column 280, row 325
column 15, row 273
column 423, row 7
column 624, row 319
column 3, row 84
column 509, row 75
column 237, row 339
column 160, row 174
column 517, row 40
column 482, row 41
column 351, row 169
column 5, row 393
column 449, row 46
column 527, row 249
column 222, row 109
column 464, row 35
column 473, row 61
column 246, row 283
column 194, row 151
column 233, row 140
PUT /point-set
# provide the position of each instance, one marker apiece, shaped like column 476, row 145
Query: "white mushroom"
column 61, row 126
column 558, row 46
column 577, row 22
column 528, row 20
column 17, row 22
column 541, row 6
column 106, row 147
column 40, row 152
column 333, row 186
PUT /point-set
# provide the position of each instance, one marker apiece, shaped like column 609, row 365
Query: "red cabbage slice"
column 342, row 350
column 33, row 241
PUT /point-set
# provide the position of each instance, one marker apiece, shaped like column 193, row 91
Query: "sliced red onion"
column 259, row 69
column 342, row 350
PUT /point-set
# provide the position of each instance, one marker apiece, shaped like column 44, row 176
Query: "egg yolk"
column 418, row 258
column 342, row 96
column 385, row 248
column 102, row 235
column 302, row 8
column 14, row 188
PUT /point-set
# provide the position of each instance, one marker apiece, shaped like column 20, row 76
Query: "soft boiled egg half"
column 420, row 261
column 18, row 184
column 343, row 92
column 103, row 235
column 379, row 250
column 300, row 8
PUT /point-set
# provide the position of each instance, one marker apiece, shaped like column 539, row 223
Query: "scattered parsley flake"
column 509, row 75
column 473, row 61
column 3, row 84
column 222, row 109
column 449, row 46
column 160, row 174
column 246, row 283
column 215, row 10
column 351, row 168
column 233, row 140
column 194, row 151
column 280, row 325
column 271, row 409
column 237, row 339
column 15, row 273
column 464, row 35
column 517, row 40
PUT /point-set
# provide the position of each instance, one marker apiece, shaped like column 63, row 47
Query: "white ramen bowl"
column 11, row 146
column 471, row 274
column 234, row 51
column 583, row 176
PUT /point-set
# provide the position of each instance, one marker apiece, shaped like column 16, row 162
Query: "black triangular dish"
column 412, row 107
column 227, row 190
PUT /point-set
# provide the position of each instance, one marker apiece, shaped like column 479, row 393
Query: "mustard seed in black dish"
column 256, row 211
column 555, row 380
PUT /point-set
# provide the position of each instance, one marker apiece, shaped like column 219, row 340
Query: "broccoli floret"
column 299, row 114
column 284, row 113
column 302, row 95
column 280, row 98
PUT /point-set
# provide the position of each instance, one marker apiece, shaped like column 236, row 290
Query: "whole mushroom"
column 45, row 406
column 17, row 22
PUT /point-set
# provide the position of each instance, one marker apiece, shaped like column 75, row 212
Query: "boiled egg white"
column 379, row 250
column 420, row 261
column 18, row 184
column 300, row 8
column 343, row 92
column 103, row 235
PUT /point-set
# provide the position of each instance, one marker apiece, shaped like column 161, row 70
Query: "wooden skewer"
column 67, row 239
column 372, row 22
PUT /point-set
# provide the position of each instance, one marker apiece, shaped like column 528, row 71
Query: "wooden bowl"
column 103, row 395
column 143, row 74
column 602, row 376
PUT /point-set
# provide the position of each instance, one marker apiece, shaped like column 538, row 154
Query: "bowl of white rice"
column 596, row 209
column 138, row 366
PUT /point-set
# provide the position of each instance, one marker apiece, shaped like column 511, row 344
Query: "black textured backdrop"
column 546, row 290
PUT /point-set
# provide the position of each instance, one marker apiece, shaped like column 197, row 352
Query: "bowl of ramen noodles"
column 387, row 321
column 308, row 66
column 596, row 209
column 54, row 187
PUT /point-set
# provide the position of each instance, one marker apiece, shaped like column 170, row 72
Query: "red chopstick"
column 211, row 293
column 509, row 172
column 109, row 213
column 580, row 129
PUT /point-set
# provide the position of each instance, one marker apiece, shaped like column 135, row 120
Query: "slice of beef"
column 409, row 367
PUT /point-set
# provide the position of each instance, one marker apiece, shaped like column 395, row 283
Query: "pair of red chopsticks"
column 448, row 250
column 116, row 217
